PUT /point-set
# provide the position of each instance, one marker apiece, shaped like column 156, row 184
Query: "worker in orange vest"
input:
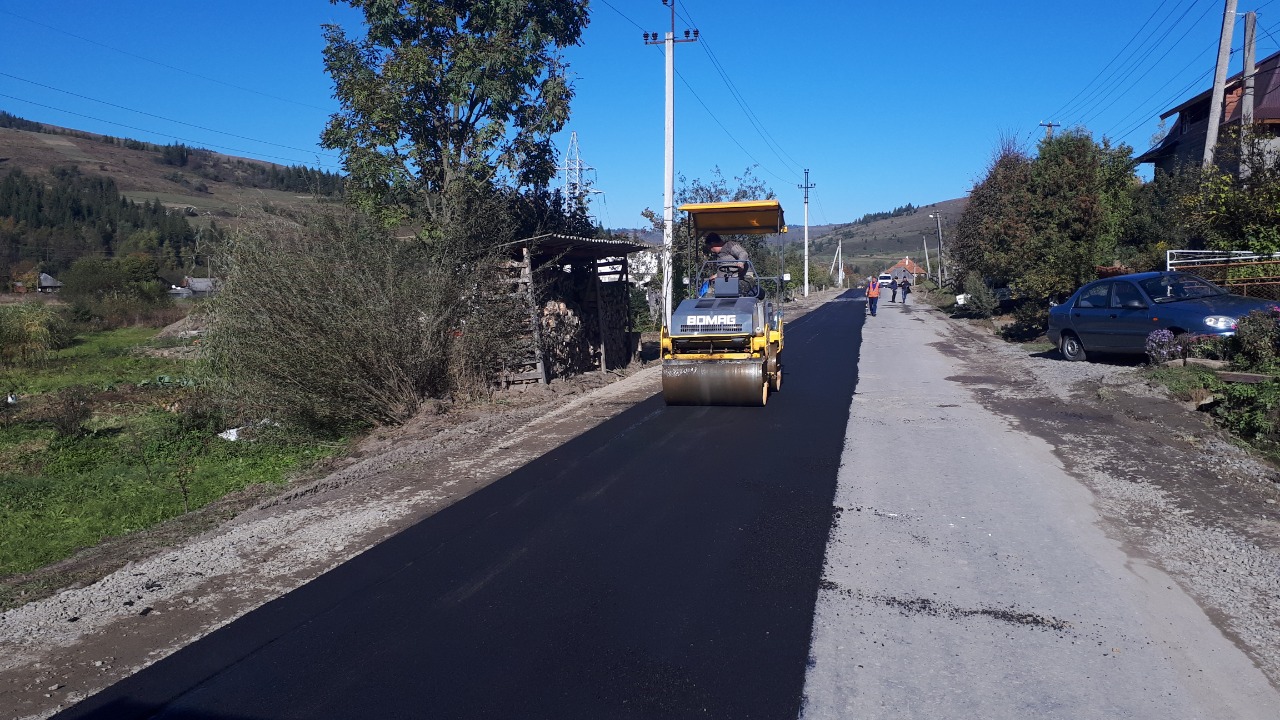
column 873, row 295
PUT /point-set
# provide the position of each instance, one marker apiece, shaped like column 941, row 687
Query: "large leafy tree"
column 443, row 99
column 1081, row 193
column 995, row 230
column 1044, row 224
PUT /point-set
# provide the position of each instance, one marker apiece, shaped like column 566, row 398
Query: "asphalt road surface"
column 664, row 564
column 897, row 551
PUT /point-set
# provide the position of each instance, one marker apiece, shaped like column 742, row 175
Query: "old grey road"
column 967, row 575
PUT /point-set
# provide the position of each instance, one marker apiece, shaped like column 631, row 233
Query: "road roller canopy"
column 750, row 217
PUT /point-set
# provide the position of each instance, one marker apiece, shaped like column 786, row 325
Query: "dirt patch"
column 112, row 610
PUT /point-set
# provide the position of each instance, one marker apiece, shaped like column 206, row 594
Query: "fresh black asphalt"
column 664, row 564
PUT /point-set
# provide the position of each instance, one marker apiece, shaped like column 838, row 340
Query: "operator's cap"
column 713, row 239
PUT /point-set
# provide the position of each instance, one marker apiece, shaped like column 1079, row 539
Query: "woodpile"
column 566, row 345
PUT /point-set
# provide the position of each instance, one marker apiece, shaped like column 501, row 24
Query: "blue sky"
column 884, row 103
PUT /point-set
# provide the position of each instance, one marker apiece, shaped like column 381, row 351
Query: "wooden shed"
column 578, row 293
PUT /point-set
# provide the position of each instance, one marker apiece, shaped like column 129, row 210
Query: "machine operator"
column 733, row 251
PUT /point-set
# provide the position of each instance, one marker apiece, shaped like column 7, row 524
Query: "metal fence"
column 1240, row 272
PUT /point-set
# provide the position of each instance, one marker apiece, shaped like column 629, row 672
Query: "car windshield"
column 1178, row 286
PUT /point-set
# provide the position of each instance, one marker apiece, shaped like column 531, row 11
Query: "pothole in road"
column 934, row 608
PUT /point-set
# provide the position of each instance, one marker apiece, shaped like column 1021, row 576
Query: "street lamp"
column 941, row 274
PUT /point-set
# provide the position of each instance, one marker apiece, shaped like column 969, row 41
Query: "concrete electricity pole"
column 806, row 187
column 669, row 167
column 941, row 275
column 1246, row 101
column 1219, row 81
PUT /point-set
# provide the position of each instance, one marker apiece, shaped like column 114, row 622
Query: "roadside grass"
column 1249, row 411
column 100, row 360
column 1189, row 383
column 140, row 447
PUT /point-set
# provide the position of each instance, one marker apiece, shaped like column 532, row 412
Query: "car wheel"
column 1071, row 348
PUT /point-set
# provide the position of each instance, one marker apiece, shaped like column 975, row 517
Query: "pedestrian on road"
column 905, row 286
column 893, row 288
column 873, row 295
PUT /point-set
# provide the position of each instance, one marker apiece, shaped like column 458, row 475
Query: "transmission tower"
column 579, row 178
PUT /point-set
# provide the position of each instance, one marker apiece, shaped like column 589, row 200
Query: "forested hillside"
column 55, row 223
column 67, row 194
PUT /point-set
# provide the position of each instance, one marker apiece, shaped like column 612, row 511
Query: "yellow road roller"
column 723, row 346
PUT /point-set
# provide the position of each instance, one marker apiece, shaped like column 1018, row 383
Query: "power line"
column 624, row 15
column 1126, row 65
column 1198, row 79
column 710, row 113
column 164, row 65
column 771, row 143
column 161, row 117
column 1062, row 109
column 154, row 132
column 716, row 120
column 1111, row 88
column 1147, row 102
column 1148, row 71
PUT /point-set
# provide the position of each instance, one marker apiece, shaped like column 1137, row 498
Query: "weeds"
column 134, row 446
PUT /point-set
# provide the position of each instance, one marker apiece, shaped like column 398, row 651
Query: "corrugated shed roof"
column 573, row 247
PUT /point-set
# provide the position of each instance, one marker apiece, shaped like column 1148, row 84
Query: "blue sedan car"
column 1115, row 315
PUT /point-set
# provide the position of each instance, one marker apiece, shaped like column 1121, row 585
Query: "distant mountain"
column 886, row 237
column 893, row 236
column 63, row 193
column 201, row 183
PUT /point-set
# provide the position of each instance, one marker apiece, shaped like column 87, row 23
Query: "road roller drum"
column 718, row 382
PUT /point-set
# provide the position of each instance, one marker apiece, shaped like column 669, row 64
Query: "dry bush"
column 68, row 410
column 333, row 321
column 29, row 332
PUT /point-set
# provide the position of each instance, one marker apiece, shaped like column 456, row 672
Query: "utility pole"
column 840, row 254
column 927, row 269
column 1219, row 82
column 941, row 274
column 1246, row 102
column 806, row 187
column 1048, row 129
column 837, row 265
column 669, row 167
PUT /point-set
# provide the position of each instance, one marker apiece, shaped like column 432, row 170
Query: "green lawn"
column 147, row 450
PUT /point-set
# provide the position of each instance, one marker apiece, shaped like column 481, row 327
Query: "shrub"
column 1256, row 343
column 1251, row 411
column 981, row 302
column 68, row 410
column 334, row 321
column 29, row 332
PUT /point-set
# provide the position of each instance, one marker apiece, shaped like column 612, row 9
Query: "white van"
column 885, row 278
